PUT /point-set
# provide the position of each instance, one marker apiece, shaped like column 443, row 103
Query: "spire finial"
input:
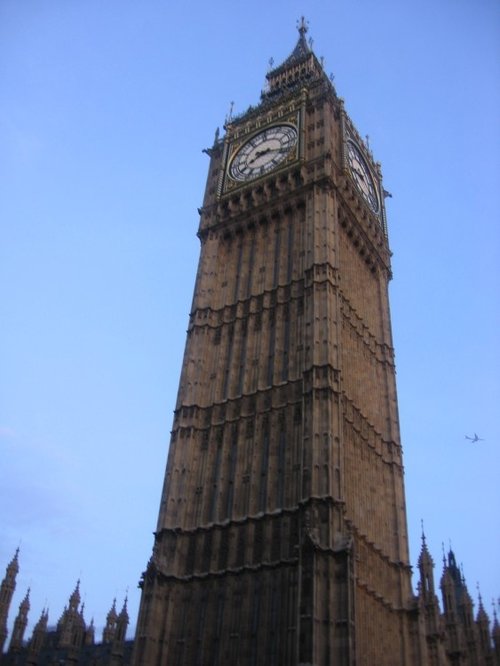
column 74, row 600
column 302, row 26
column 479, row 595
column 229, row 116
column 124, row 607
column 423, row 531
column 25, row 603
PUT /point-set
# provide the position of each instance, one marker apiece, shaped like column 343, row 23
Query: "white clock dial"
column 263, row 152
column 362, row 176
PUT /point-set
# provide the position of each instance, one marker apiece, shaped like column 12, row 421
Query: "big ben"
column 281, row 538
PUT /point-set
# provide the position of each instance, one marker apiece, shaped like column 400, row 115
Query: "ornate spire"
column 71, row 626
column 300, row 52
column 426, row 567
column 109, row 630
column 7, row 587
column 74, row 600
column 112, row 615
column 90, row 634
column 13, row 566
column 425, row 556
column 11, row 571
column 482, row 615
column 16, row 642
column 42, row 623
column 39, row 631
column 25, row 603
column 124, row 610
column 300, row 69
column 121, row 624
column 496, row 625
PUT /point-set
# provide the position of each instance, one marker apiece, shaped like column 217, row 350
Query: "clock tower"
column 281, row 538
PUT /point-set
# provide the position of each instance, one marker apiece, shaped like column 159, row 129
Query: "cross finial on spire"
column 302, row 26
column 479, row 594
column 423, row 531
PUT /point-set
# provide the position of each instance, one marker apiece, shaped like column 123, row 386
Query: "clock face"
column 362, row 176
column 263, row 152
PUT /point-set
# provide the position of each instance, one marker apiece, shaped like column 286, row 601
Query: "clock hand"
column 360, row 174
column 259, row 153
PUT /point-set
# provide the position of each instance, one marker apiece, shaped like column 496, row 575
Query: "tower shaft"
column 281, row 537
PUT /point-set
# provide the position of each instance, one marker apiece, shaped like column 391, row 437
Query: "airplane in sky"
column 474, row 439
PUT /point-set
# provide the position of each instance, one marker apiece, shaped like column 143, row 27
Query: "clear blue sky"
column 105, row 108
